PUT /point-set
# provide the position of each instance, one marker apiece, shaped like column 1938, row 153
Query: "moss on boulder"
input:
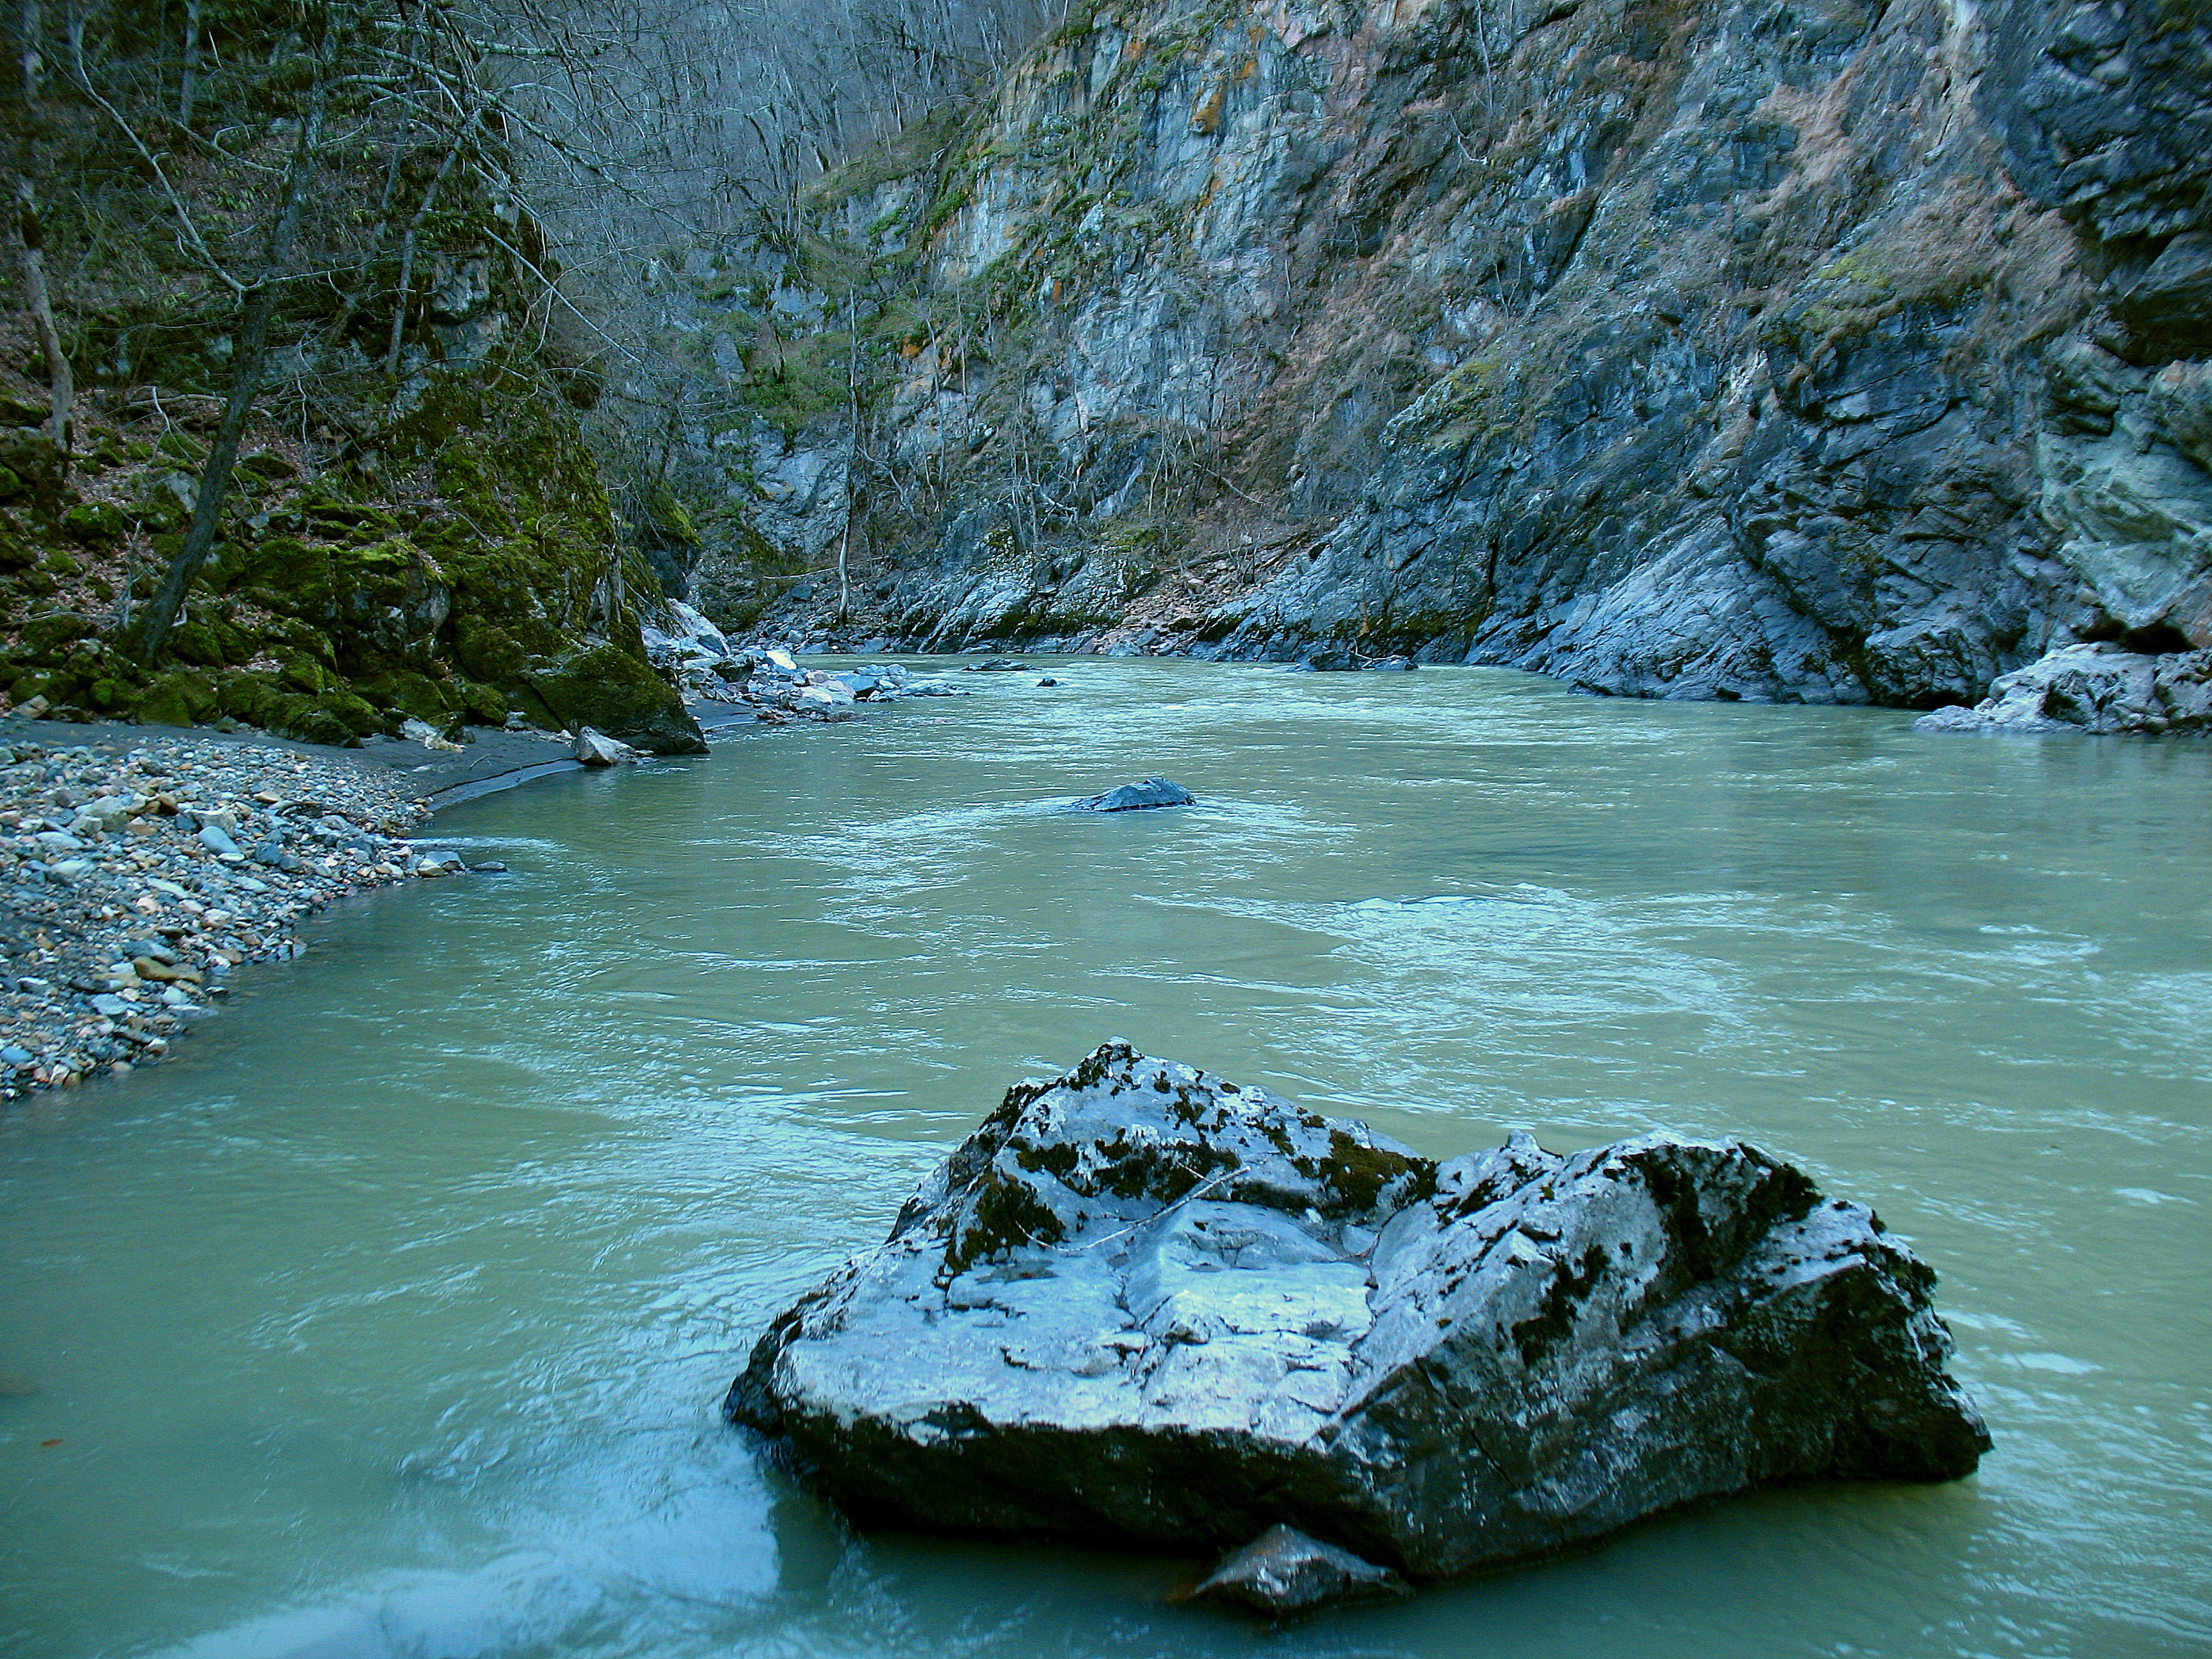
column 182, row 696
column 617, row 692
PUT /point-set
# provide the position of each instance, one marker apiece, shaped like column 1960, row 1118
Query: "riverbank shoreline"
column 141, row 865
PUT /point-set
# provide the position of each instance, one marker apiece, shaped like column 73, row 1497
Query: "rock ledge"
column 2096, row 689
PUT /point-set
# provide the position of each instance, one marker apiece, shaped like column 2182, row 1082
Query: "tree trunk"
column 61, row 385
column 30, row 67
column 188, row 85
column 851, row 452
column 160, row 612
column 31, row 238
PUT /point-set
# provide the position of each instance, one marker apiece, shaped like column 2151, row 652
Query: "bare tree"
column 30, row 231
column 152, row 627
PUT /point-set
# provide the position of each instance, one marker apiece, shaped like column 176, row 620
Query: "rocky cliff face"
column 1828, row 350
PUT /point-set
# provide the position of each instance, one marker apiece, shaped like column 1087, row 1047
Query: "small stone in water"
column 1285, row 1571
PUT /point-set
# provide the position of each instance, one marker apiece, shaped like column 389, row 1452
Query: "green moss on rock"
column 617, row 692
column 182, row 696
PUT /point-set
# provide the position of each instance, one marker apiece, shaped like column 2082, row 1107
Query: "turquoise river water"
column 391, row 1317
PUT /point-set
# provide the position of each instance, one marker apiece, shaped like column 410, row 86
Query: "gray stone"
column 217, row 842
column 1141, row 1303
column 1138, row 797
column 1283, row 1571
column 2172, row 301
column 2092, row 688
column 596, row 749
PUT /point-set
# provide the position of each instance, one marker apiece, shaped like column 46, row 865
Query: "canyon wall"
column 1825, row 350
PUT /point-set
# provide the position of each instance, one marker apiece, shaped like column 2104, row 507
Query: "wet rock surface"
column 1138, row 797
column 596, row 749
column 1140, row 1303
column 2100, row 689
column 1283, row 1571
column 768, row 681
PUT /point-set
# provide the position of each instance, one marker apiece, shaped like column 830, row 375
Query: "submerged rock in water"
column 2098, row 688
column 1335, row 659
column 1141, row 1303
column 1285, row 1572
column 1138, row 797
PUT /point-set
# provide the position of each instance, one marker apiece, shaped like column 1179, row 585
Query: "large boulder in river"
column 1140, row 1303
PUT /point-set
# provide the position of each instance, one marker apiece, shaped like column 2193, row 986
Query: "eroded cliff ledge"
column 1823, row 351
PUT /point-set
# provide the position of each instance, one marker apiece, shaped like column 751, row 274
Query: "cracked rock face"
column 1141, row 1303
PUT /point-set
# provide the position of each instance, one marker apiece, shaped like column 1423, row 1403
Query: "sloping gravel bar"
column 139, row 867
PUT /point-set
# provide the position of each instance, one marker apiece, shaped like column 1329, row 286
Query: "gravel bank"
column 137, row 870
column 140, row 865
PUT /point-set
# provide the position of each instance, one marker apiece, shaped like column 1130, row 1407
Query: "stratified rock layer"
column 1140, row 1303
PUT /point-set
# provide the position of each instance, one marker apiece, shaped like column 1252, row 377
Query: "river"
column 391, row 1316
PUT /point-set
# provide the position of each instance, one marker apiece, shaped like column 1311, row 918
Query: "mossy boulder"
column 330, row 719
column 300, row 672
column 94, row 523
column 359, row 717
column 181, row 697
column 487, row 704
column 111, row 693
column 245, row 695
column 618, row 693
column 267, row 467
column 487, row 651
column 209, row 641
column 46, row 636
column 441, row 703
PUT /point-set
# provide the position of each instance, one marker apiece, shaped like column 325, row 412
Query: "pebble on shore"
column 138, row 875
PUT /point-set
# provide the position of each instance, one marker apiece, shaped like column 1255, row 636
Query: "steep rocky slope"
column 1829, row 350
column 455, row 562
column 245, row 209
